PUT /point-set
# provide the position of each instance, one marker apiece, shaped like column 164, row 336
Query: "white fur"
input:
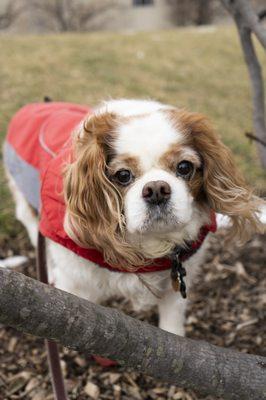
column 180, row 203
column 129, row 108
column 148, row 137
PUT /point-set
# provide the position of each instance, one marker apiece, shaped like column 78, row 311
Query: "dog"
column 120, row 192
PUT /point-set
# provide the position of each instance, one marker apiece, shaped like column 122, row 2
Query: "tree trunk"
column 44, row 311
column 248, row 23
column 204, row 12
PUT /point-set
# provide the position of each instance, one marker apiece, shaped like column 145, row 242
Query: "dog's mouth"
column 160, row 219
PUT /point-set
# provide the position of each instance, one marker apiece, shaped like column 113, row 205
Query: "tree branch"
column 243, row 9
column 253, row 137
column 247, row 22
column 258, row 99
column 44, row 311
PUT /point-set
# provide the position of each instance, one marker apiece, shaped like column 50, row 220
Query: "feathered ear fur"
column 223, row 185
column 94, row 217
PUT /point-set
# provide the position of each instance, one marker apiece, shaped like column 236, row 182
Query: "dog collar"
column 181, row 254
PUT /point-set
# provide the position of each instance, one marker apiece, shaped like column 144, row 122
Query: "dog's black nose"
column 156, row 192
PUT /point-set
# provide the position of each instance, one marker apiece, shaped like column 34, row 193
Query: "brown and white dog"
column 144, row 179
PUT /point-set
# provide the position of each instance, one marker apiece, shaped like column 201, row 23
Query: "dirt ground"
column 227, row 308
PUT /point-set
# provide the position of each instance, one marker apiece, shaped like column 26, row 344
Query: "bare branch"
column 44, row 311
column 255, row 74
column 242, row 9
column 253, row 137
column 247, row 22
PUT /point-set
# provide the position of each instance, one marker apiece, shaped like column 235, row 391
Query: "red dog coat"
column 37, row 148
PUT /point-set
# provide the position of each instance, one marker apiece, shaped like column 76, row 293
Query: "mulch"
column 226, row 308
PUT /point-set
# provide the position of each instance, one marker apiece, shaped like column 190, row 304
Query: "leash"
column 52, row 348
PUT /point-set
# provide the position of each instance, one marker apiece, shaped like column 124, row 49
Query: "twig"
column 246, row 323
column 253, row 137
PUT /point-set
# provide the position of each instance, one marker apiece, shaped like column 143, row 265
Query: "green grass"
column 202, row 71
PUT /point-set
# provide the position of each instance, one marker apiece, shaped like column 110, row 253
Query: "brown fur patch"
column 224, row 187
column 177, row 153
column 196, row 187
column 125, row 162
column 94, row 206
column 100, row 126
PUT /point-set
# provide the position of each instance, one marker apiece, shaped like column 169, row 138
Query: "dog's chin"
column 160, row 221
column 157, row 236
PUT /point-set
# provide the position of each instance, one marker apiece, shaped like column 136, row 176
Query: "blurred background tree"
column 85, row 15
column 70, row 15
column 55, row 15
column 9, row 13
column 197, row 12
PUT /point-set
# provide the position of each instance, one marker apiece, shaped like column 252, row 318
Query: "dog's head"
column 145, row 177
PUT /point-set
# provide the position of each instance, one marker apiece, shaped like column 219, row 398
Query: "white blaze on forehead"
column 148, row 137
column 131, row 107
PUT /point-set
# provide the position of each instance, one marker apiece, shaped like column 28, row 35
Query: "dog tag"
column 178, row 273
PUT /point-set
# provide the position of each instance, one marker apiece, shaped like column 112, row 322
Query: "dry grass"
column 201, row 70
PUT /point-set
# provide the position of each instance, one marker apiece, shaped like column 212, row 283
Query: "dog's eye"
column 124, row 176
column 185, row 169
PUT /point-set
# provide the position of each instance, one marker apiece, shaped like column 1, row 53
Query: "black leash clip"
column 178, row 273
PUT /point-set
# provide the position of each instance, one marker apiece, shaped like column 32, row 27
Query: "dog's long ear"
column 94, row 216
column 224, row 187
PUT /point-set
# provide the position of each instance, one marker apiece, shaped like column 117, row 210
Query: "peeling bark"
column 47, row 312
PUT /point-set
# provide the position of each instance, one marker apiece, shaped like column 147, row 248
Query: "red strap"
column 193, row 247
column 52, row 349
column 160, row 264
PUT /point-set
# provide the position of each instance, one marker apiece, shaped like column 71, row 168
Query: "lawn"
column 199, row 69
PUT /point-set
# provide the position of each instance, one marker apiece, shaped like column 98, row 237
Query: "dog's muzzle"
column 156, row 193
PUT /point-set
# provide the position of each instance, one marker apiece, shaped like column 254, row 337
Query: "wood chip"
column 12, row 344
column 81, row 362
column 114, row 377
column 63, row 367
column 40, row 395
column 117, row 392
column 33, row 383
column 92, row 390
column 246, row 323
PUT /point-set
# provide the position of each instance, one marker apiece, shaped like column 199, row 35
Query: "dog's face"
column 154, row 169
column 145, row 180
